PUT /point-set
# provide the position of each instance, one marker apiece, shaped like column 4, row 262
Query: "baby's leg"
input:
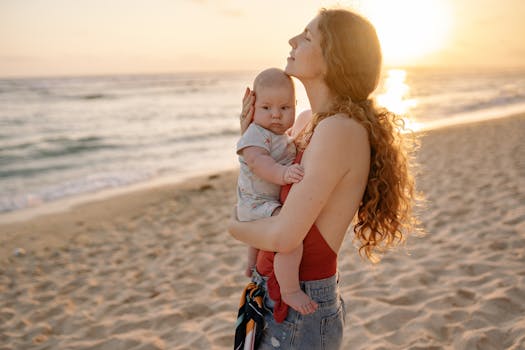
column 252, row 259
column 286, row 268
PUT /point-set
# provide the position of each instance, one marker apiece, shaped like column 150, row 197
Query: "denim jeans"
column 322, row 330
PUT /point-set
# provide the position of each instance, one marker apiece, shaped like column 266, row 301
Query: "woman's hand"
column 248, row 102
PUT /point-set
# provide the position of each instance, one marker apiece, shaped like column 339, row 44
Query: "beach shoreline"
column 64, row 204
column 155, row 268
column 63, row 215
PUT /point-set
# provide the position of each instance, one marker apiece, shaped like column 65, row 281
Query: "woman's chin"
column 288, row 70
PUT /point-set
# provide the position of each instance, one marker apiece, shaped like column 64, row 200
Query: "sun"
column 408, row 29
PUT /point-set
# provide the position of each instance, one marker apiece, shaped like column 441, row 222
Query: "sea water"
column 65, row 136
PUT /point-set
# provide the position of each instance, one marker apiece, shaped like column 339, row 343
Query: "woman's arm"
column 336, row 143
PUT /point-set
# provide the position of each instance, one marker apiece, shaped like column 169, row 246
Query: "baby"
column 266, row 155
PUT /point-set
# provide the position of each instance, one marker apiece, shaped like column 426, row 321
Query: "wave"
column 106, row 87
column 87, row 184
column 94, row 97
column 29, row 172
column 54, row 147
column 203, row 136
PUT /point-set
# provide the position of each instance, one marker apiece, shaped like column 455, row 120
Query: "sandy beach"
column 156, row 269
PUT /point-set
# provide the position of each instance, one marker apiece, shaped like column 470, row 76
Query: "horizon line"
column 467, row 68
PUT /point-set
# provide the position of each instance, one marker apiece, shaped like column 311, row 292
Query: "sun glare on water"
column 395, row 96
column 408, row 29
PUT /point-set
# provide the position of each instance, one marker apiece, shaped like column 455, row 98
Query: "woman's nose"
column 292, row 41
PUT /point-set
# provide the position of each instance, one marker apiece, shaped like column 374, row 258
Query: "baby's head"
column 274, row 100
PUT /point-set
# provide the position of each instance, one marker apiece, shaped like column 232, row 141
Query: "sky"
column 80, row 37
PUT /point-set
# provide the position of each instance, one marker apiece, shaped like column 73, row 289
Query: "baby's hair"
column 272, row 77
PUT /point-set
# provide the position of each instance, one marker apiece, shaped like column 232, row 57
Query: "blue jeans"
column 322, row 330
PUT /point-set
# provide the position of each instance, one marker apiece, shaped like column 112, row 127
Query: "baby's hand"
column 293, row 174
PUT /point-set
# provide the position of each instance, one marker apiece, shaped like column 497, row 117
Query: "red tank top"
column 319, row 261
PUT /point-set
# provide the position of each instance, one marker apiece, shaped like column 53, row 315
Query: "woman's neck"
column 319, row 95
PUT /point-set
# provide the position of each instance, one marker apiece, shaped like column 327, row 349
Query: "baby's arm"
column 264, row 166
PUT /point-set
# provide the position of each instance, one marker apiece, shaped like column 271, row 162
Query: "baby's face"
column 275, row 108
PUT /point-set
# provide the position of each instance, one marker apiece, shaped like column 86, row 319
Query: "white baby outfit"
column 257, row 198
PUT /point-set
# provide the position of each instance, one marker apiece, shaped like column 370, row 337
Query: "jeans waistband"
column 322, row 290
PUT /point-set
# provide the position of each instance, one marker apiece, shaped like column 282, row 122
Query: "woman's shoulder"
column 339, row 142
column 336, row 133
column 341, row 124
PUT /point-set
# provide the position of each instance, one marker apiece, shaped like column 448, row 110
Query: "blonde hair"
column 353, row 58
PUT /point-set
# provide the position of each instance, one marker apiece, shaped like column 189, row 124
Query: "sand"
column 156, row 269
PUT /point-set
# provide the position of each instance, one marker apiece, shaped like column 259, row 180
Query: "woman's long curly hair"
column 352, row 54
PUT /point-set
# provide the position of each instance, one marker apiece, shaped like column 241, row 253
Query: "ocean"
column 66, row 136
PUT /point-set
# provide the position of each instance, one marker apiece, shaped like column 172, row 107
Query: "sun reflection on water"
column 395, row 97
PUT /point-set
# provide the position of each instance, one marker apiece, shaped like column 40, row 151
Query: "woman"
column 355, row 165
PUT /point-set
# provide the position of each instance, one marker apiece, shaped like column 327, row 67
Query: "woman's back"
column 343, row 202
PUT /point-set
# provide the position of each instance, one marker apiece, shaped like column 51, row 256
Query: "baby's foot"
column 300, row 302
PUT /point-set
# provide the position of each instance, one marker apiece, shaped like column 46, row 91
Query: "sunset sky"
column 64, row 37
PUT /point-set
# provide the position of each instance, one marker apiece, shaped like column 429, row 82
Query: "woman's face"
column 306, row 59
